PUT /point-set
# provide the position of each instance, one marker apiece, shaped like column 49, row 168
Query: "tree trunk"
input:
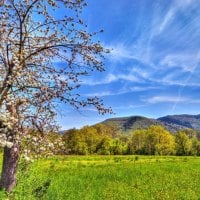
column 9, row 168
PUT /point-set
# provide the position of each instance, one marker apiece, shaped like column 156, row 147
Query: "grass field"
column 110, row 177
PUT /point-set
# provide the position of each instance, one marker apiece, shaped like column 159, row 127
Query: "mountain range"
column 172, row 123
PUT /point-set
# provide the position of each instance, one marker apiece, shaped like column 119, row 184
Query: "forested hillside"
column 172, row 123
column 183, row 121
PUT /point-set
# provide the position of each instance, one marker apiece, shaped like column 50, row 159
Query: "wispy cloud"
column 143, row 88
column 181, row 89
column 130, row 106
column 172, row 80
column 123, row 90
column 108, row 93
column 92, row 82
column 110, row 78
column 186, row 61
column 170, row 15
column 119, row 51
column 170, row 99
column 101, row 94
column 165, row 99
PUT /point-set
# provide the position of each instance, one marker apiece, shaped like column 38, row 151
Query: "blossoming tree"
column 35, row 35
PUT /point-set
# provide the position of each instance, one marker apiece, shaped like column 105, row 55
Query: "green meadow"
column 108, row 177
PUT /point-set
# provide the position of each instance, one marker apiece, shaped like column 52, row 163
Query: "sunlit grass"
column 111, row 177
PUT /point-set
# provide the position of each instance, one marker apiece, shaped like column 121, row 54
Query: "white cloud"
column 170, row 99
column 170, row 15
column 140, row 88
column 140, row 51
column 128, row 77
column 187, row 62
column 124, row 90
column 110, row 78
column 101, row 94
column 109, row 93
column 120, row 51
column 141, row 72
column 172, row 79
column 165, row 99
column 131, row 106
column 183, row 4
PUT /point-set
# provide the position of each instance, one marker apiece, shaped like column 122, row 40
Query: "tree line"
column 107, row 140
column 103, row 139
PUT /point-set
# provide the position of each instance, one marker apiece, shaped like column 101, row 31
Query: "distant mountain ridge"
column 187, row 121
column 131, row 123
column 172, row 123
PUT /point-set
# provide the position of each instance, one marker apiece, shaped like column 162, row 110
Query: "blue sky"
column 154, row 65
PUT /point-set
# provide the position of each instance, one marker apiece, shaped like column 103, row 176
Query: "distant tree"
column 191, row 133
column 137, row 142
column 159, row 141
column 75, row 142
column 119, row 147
column 198, row 134
column 124, row 138
column 103, row 129
column 195, row 147
column 68, row 139
column 105, row 146
column 35, row 35
column 194, row 141
column 183, row 143
column 91, row 138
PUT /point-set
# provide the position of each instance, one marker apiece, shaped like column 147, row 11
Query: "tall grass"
column 110, row 177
